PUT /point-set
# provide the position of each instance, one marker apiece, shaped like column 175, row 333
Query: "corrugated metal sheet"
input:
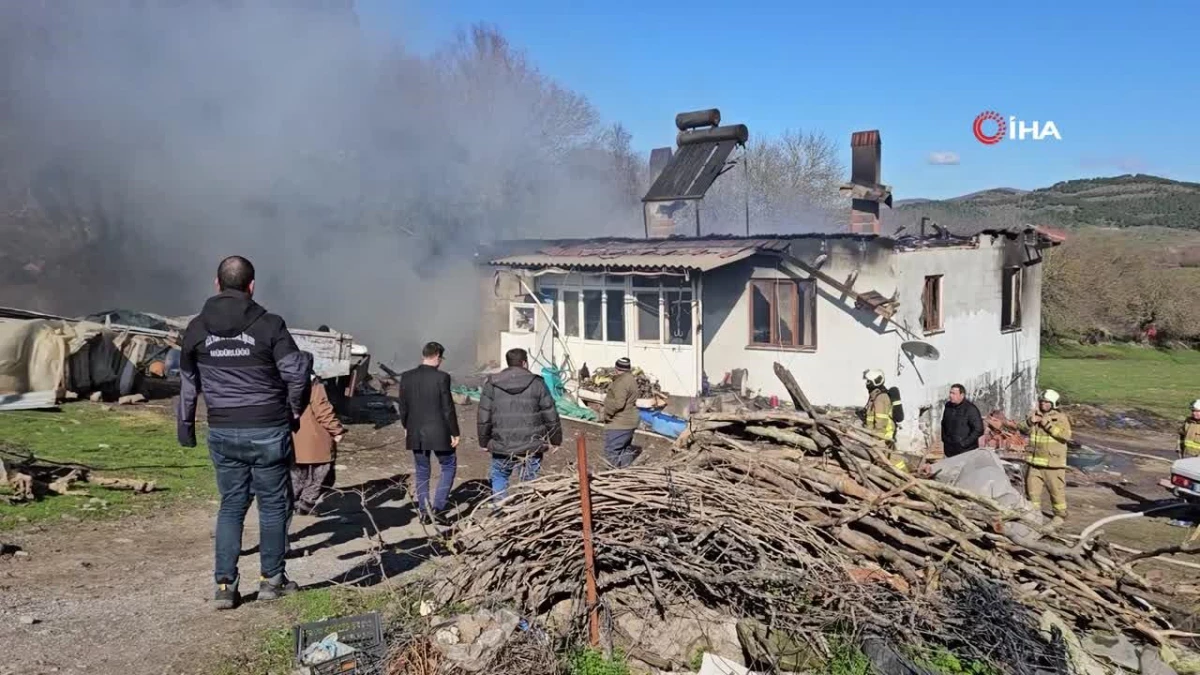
column 696, row 254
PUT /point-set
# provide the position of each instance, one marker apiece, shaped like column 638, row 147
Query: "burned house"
column 929, row 309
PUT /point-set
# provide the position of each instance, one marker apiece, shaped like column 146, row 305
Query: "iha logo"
column 990, row 128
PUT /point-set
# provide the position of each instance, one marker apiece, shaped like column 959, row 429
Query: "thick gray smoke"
column 143, row 141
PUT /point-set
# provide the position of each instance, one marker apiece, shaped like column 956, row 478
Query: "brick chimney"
column 865, row 162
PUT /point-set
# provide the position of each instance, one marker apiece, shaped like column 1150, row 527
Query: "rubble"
column 797, row 519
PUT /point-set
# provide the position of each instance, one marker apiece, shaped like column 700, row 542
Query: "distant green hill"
column 1121, row 201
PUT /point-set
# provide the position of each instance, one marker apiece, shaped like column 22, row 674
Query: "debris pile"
column 600, row 379
column 798, row 520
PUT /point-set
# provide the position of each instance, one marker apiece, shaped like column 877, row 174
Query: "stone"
column 29, row 620
column 1116, row 649
column 1151, row 663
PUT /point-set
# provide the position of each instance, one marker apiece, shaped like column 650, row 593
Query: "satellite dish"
column 920, row 350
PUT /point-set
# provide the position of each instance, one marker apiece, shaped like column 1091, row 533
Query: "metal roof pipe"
column 699, row 118
column 733, row 132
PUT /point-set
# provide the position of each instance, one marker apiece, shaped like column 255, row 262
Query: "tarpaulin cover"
column 32, row 356
column 980, row 471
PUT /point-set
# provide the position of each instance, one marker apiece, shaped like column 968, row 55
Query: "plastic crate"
column 363, row 632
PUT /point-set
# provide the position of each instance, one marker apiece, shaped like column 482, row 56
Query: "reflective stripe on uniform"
column 1192, row 445
column 1038, row 461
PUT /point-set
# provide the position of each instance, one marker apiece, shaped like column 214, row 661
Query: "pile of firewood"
column 29, row 478
column 799, row 520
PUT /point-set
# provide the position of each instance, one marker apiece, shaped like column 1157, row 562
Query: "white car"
column 1185, row 479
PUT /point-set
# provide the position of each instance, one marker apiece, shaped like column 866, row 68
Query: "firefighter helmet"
column 873, row 377
column 1196, row 404
column 1051, row 397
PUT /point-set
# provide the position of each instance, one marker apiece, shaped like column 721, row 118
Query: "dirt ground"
column 133, row 596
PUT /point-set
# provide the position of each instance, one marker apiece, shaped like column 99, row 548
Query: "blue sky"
column 1120, row 80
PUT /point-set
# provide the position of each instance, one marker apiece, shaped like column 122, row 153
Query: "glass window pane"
column 649, row 319
column 615, row 317
column 643, row 281
column 808, row 313
column 593, row 316
column 549, row 298
column 785, row 312
column 679, row 317
column 760, row 312
column 570, row 324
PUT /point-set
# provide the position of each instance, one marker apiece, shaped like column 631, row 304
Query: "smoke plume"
column 143, row 141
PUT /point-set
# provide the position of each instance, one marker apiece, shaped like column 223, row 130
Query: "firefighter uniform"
column 1189, row 438
column 879, row 415
column 1047, row 461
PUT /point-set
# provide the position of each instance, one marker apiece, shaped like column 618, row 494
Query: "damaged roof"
column 682, row 253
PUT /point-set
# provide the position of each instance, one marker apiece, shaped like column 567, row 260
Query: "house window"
column 931, row 304
column 783, row 313
column 1010, row 305
column 549, row 298
column 593, row 315
column 570, row 323
column 615, row 316
column 649, row 316
column 679, row 317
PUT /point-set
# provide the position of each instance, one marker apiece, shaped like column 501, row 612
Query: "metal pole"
column 746, row 173
column 697, row 217
column 589, row 555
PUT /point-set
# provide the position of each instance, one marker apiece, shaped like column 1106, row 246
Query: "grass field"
column 113, row 442
column 1162, row 382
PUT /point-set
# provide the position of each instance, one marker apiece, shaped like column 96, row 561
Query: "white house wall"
column 999, row 368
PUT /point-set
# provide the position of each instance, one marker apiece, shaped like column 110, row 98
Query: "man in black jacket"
column 517, row 421
column 431, row 426
column 253, row 378
column 962, row 426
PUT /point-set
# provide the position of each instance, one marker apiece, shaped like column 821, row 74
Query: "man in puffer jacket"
column 517, row 422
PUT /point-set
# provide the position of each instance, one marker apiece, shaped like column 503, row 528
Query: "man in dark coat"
column 517, row 421
column 244, row 362
column 962, row 426
column 431, row 426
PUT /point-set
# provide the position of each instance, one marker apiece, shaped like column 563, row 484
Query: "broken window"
column 931, row 304
column 679, row 317
column 649, row 317
column 570, row 324
column 615, row 316
column 1010, row 305
column 783, row 313
column 593, row 315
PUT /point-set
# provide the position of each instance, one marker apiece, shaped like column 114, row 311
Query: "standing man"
column 621, row 416
column 962, row 425
column 517, row 421
column 1049, row 431
column 316, row 440
column 253, row 378
column 431, row 425
column 1189, row 433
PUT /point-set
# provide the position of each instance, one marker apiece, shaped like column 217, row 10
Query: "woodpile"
column 798, row 519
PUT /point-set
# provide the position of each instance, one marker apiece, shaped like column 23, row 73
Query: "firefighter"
column 1189, row 433
column 879, row 414
column 1049, row 431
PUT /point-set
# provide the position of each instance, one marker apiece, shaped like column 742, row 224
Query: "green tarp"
column 566, row 407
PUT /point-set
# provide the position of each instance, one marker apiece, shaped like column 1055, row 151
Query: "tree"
column 788, row 183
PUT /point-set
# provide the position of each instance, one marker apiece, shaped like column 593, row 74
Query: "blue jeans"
column 257, row 459
column 448, row 462
column 502, row 469
column 618, row 447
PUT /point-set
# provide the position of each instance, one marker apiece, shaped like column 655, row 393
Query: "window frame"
column 804, row 293
column 630, row 286
column 940, row 286
column 1012, row 287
